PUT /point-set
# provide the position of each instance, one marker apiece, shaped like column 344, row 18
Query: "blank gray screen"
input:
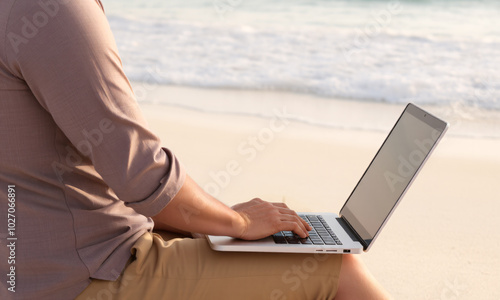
column 388, row 175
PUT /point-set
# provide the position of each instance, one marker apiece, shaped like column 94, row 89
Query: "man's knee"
column 352, row 267
column 350, row 261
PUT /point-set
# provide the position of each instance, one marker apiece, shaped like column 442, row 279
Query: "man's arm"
column 194, row 210
column 72, row 67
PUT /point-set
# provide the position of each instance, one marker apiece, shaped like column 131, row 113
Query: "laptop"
column 384, row 183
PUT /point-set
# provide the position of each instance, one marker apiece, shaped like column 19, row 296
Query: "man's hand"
column 261, row 219
column 193, row 210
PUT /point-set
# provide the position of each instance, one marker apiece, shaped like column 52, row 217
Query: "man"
column 84, row 182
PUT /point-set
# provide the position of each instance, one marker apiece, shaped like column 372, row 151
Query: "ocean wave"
column 385, row 65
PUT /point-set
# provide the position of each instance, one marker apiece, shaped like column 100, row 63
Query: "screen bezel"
column 427, row 118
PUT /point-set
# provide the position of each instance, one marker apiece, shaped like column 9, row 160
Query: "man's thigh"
column 188, row 269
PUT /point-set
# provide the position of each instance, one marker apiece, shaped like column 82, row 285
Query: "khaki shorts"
column 184, row 268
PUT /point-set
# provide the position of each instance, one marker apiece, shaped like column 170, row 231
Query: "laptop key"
column 306, row 241
column 279, row 239
column 292, row 240
column 329, row 241
column 317, row 241
column 312, row 218
column 321, row 234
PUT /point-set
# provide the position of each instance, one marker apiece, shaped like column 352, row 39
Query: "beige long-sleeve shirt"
column 80, row 172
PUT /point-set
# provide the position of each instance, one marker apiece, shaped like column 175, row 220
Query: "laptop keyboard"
column 321, row 234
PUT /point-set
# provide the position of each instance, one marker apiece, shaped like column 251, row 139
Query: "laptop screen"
column 391, row 171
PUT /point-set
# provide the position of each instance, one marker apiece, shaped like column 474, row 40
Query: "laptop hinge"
column 350, row 231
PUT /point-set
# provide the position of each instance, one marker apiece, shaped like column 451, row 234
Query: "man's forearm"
column 194, row 210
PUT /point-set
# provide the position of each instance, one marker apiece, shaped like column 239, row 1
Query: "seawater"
column 443, row 53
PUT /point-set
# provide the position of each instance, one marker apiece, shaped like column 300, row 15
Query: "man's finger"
column 280, row 204
column 306, row 225
column 296, row 226
column 287, row 211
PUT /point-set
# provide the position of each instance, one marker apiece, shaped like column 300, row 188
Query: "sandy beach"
column 441, row 243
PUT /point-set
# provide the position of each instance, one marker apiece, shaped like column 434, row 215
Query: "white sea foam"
column 439, row 53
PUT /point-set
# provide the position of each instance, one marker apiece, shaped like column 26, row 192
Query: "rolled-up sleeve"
column 67, row 55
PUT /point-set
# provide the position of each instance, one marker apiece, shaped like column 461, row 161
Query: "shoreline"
column 336, row 113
